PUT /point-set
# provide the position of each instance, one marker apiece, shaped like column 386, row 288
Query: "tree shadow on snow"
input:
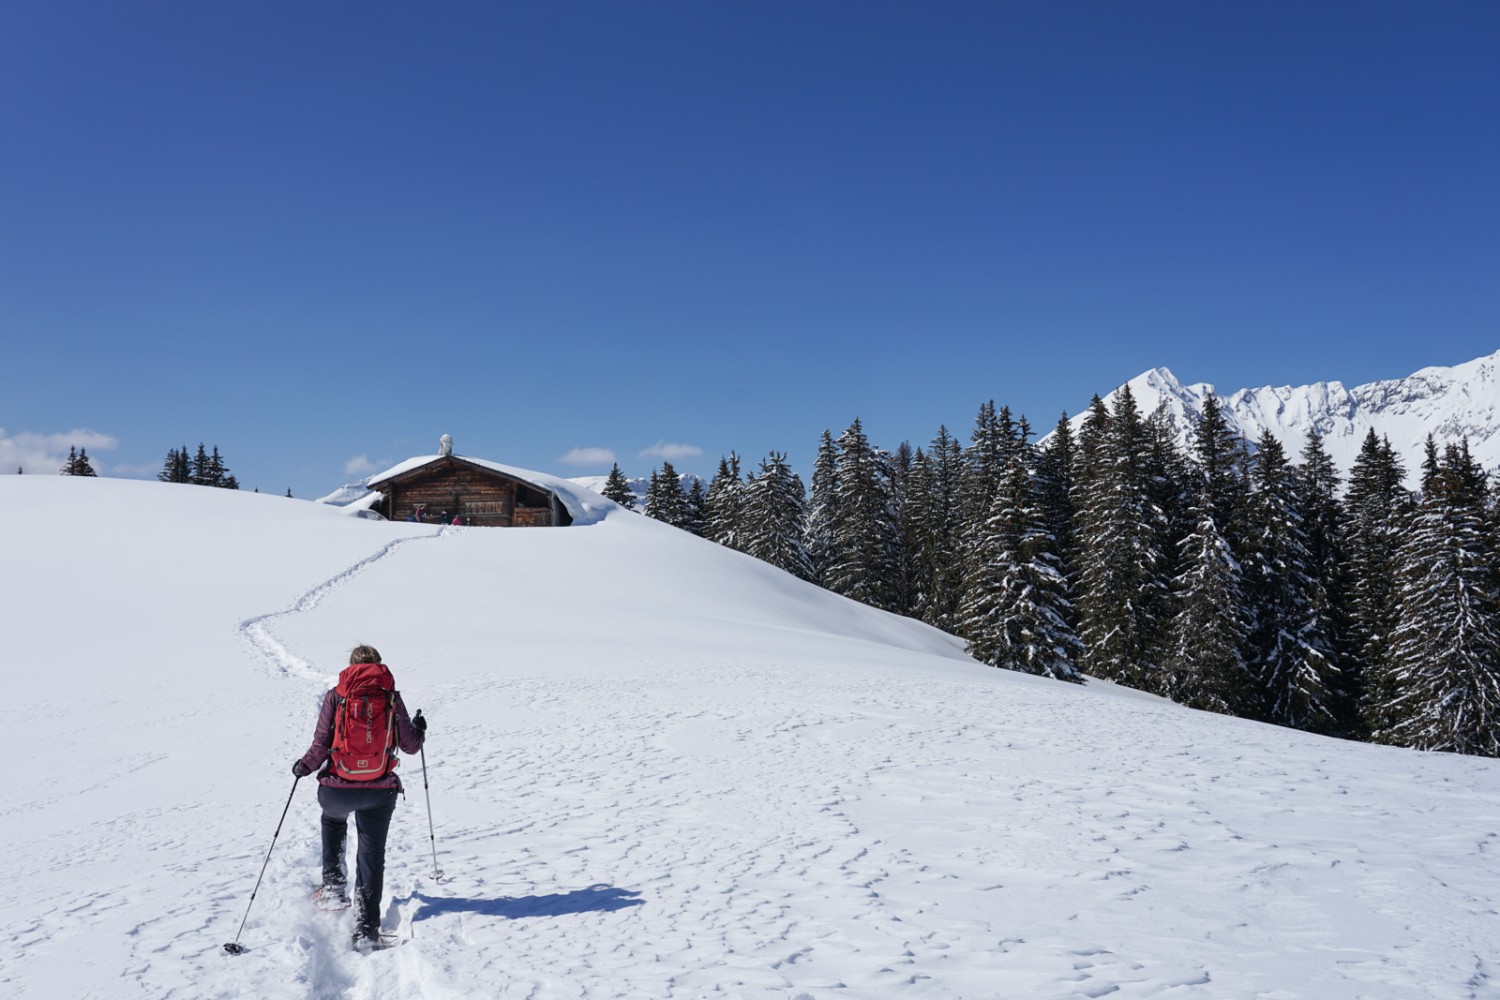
column 594, row 899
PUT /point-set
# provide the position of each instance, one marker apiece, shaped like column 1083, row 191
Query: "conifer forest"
column 1230, row 576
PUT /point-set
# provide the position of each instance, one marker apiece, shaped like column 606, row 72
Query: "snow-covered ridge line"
column 257, row 634
column 1452, row 404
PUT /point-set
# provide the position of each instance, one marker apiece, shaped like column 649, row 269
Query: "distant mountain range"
column 1449, row 403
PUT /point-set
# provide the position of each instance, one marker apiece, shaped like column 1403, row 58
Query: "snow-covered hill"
column 1449, row 403
column 702, row 778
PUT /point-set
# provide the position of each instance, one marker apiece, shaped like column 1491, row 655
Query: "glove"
column 419, row 723
column 300, row 769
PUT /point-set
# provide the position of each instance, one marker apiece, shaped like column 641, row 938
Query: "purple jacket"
column 408, row 738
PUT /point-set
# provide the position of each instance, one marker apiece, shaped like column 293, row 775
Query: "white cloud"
column 588, row 456
column 359, row 465
column 46, row 453
column 671, row 452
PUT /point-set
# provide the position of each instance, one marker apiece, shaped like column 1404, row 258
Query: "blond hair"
column 364, row 654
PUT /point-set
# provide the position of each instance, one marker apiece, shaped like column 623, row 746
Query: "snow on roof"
column 584, row 505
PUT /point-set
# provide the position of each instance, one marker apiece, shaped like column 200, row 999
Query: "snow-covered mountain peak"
column 1451, row 403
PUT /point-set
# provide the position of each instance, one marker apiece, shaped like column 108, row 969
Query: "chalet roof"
column 581, row 504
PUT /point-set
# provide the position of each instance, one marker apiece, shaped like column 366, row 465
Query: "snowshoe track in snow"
column 256, row 631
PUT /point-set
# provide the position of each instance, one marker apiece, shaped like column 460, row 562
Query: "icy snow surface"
column 661, row 769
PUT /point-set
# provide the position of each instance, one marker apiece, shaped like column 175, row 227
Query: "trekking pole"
column 234, row 947
column 437, row 875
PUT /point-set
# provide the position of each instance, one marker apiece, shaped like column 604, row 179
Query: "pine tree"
column 219, row 472
column 1205, row 652
column 862, row 560
column 617, row 488
column 726, row 495
column 896, row 471
column 1054, row 471
column 991, row 444
column 1377, row 508
column 774, row 511
column 1204, row 659
column 202, row 474
column 1316, row 482
column 1215, row 450
column 666, row 500
column 176, row 469
column 78, row 463
column 1088, row 456
column 919, row 530
column 695, row 510
column 1013, row 612
column 824, row 519
column 935, row 532
column 1168, row 488
column 1121, row 588
column 1291, row 647
column 1445, row 647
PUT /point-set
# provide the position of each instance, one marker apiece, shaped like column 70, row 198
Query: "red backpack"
column 364, row 723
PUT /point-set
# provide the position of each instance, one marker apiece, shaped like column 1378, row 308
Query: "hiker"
column 356, row 774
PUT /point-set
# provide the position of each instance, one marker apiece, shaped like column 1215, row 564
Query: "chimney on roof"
column 445, row 446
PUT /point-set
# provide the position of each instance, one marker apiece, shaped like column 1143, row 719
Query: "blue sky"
column 320, row 235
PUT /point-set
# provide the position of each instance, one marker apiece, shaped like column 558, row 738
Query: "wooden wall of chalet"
column 479, row 496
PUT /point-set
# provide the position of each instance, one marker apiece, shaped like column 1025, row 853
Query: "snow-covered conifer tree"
column 1445, row 647
column 1054, row 471
column 936, row 560
column 1205, row 660
column 695, row 509
column 1316, row 482
column 1013, row 612
column 177, row 468
column 1120, row 607
column 862, row 562
column 725, row 498
column 78, row 463
column 823, row 515
column 202, row 474
column 617, row 488
column 774, row 511
column 919, row 529
column 666, row 500
column 1377, row 508
column 1291, row 644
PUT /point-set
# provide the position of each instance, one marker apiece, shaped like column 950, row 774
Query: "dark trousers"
column 372, row 809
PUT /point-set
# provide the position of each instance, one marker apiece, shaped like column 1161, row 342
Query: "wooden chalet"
column 474, row 491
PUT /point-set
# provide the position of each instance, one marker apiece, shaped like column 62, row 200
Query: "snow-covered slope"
column 701, row 779
column 1449, row 403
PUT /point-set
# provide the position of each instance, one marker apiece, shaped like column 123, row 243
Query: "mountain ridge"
column 1451, row 403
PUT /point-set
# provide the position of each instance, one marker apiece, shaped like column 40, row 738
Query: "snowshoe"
column 331, row 897
column 364, row 943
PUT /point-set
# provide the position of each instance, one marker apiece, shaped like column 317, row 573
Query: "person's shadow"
column 594, row 899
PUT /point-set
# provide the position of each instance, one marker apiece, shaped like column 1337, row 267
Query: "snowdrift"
column 662, row 769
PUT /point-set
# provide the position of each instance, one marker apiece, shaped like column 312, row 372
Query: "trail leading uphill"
column 661, row 769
